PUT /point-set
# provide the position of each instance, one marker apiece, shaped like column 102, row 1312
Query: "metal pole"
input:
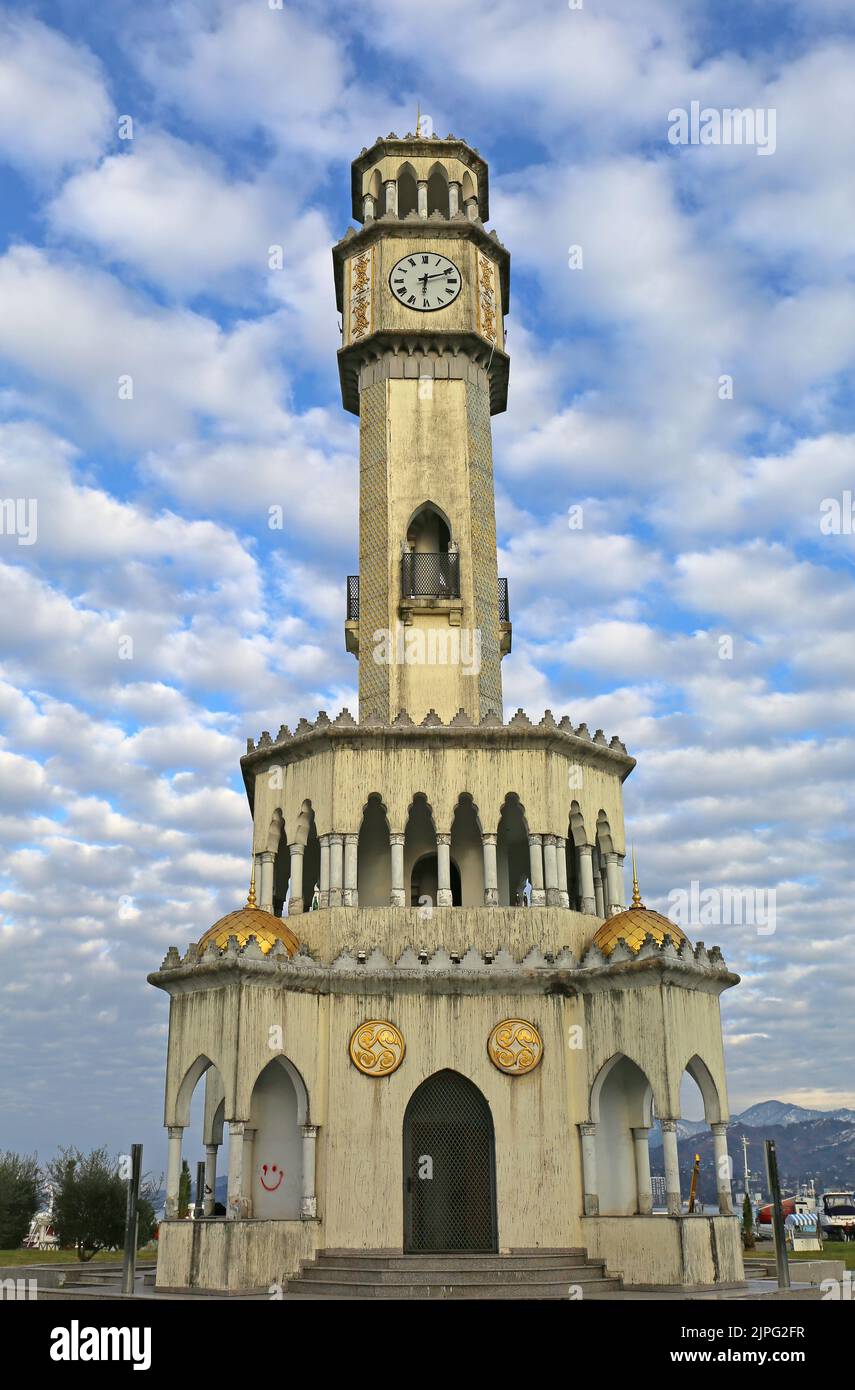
column 777, row 1215
column 200, row 1190
column 129, row 1265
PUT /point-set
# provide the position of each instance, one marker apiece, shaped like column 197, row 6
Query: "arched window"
column 373, row 856
column 430, row 565
column 408, row 192
column 437, row 191
column 512, row 856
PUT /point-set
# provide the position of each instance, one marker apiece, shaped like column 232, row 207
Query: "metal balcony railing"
column 504, row 605
column 430, row 574
column 352, row 597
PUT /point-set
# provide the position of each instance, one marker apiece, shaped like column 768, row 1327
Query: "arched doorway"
column 449, row 1168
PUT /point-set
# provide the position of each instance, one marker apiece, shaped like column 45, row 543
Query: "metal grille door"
column 449, row 1167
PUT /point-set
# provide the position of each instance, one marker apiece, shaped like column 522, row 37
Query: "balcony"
column 353, row 598
column 430, row 574
column 504, row 605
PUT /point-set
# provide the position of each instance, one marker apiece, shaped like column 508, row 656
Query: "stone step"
column 530, row 1289
column 326, row 1260
column 573, row 1274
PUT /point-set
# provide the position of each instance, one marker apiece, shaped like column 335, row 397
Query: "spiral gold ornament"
column 377, row 1047
column 515, row 1046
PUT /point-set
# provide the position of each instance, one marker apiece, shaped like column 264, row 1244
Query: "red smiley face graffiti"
column 271, row 1177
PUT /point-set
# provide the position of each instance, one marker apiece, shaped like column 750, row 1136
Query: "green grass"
column 831, row 1250
column 62, row 1257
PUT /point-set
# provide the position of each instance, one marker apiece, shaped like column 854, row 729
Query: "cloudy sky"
column 701, row 612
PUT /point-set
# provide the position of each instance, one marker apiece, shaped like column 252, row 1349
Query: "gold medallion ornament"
column 377, row 1048
column 515, row 1046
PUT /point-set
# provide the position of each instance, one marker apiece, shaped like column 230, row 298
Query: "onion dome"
column 248, row 921
column 635, row 923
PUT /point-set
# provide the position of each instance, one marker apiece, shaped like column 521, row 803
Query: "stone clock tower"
column 423, row 290
column 434, row 1035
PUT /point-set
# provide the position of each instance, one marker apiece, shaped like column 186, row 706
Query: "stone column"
column 390, row 188
column 309, row 1201
column 590, row 1185
column 350, row 897
column 210, row 1178
column 453, row 198
column 173, row 1171
column 561, row 864
column 336, row 870
column 550, row 871
column 443, row 870
column 491, row 871
column 640, row 1138
column 599, row 895
column 367, row 208
column 614, row 885
column 236, row 1198
column 673, row 1198
column 535, row 856
column 265, row 862
column 722, row 1169
column 247, row 1169
column 471, row 207
column 295, row 902
column 586, row 879
column 324, row 885
column 422, row 203
column 396, row 844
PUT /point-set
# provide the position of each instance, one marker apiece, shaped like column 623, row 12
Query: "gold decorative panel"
column 515, row 1046
column 489, row 308
column 377, row 1048
column 361, row 305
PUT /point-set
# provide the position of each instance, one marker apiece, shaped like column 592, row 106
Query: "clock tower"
column 434, row 1033
column 423, row 291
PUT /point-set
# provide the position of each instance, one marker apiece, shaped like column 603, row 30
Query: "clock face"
column 425, row 281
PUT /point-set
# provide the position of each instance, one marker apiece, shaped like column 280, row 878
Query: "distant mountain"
column 780, row 1112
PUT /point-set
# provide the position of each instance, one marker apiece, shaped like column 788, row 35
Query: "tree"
column 747, row 1223
column 90, row 1202
column 184, row 1191
column 20, row 1194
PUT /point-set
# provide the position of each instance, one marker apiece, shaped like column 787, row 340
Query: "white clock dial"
column 425, row 281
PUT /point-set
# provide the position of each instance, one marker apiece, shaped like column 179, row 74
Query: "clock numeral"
column 424, row 260
column 412, row 260
column 412, row 299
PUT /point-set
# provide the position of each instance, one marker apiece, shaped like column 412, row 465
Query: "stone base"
column 229, row 1256
column 654, row 1251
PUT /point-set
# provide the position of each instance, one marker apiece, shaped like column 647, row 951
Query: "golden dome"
column 248, row 921
column 633, row 924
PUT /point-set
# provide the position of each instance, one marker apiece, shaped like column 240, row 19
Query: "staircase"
column 552, row 1274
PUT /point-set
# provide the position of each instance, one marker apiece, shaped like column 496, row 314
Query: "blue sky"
column 123, row 821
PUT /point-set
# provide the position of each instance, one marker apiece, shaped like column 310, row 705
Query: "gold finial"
column 636, row 896
column 250, row 902
column 418, row 120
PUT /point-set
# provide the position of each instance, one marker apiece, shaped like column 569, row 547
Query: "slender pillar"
column 471, row 206
column 722, row 1169
column 309, row 1201
column 535, row 855
column 614, row 884
column 173, row 1171
column 247, row 1170
column 295, row 902
column 673, row 1198
column 590, row 1186
column 368, row 208
column 422, row 190
column 265, row 862
column 336, row 870
column 491, row 871
column 561, row 864
column 390, row 188
column 324, row 897
column 396, row 845
column 443, row 870
column 586, row 879
column 236, row 1199
column 453, row 198
column 640, row 1139
column 550, row 872
column 599, row 894
column 210, row 1178
column 350, row 897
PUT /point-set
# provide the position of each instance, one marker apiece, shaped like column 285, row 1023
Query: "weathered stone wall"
column 658, row 1250
column 232, row 1255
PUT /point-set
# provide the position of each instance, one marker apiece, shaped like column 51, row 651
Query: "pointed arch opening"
column 449, row 1167
column 467, row 852
column 437, row 191
column 408, row 191
column 373, row 856
column 512, row 853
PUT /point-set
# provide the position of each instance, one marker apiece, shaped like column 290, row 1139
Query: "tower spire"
column 636, row 896
column 250, row 900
